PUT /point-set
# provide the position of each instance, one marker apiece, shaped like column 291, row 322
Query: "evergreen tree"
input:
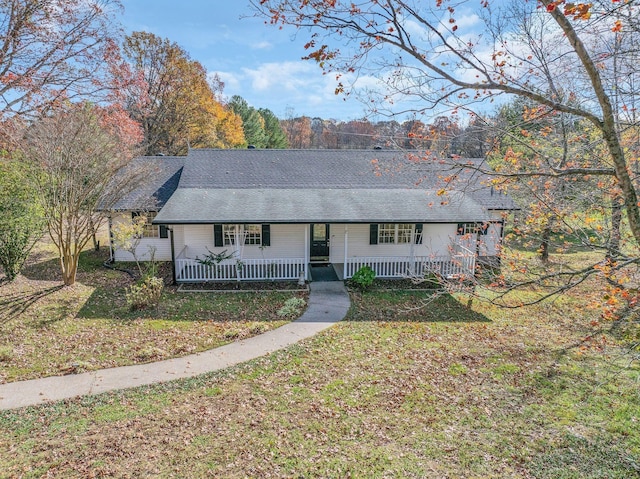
column 276, row 137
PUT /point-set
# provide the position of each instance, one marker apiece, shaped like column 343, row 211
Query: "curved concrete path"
column 328, row 304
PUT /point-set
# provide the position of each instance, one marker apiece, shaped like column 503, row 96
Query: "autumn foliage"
column 55, row 50
column 78, row 153
column 570, row 154
column 174, row 101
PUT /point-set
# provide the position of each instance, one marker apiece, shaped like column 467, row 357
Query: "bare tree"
column 52, row 50
column 80, row 153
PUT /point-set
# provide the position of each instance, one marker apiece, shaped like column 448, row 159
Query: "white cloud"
column 465, row 22
column 283, row 75
column 297, row 88
column 263, row 45
column 231, row 80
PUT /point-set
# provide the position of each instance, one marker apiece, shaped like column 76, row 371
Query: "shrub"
column 363, row 278
column 146, row 293
column 431, row 280
column 292, row 307
column 21, row 220
column 232, row 333
column 149, row 353
column 6, row 353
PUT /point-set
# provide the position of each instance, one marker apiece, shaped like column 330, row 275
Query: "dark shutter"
column 134, row 215
column 460, row 230
column 164, row 231
column 373, row 234
column 483, row 229
column 266, row 235
column 418, row 233
column 217, row 236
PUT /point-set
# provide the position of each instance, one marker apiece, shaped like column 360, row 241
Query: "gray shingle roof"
column 254, row 186
column 381, row 169
column 321, row 205
column 161, row 178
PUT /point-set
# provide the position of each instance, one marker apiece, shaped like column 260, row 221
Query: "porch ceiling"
column 248, row 205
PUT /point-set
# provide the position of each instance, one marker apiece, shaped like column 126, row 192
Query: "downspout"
column 173, row 256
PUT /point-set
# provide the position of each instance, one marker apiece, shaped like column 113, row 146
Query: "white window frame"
column 472, row 229
column 404, row 233
column 252, row 234
column 395, row 233
column 149, row 230
column 386, row 233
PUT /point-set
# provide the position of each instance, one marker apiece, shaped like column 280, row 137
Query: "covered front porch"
column 458, row 266
column 294, row 248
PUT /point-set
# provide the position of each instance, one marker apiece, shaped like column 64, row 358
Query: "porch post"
column 412, row 254
column 173, row 257
column 111, row 251
column 306, row 252
column 346, row 251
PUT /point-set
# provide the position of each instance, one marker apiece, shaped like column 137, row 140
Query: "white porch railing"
column 458, row 265
column 190, row 270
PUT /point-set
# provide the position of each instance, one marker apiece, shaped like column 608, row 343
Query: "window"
column 148, row 230
column 472, row 228
column 229, row 234
column 252, row 234
column 386, row 233
column 389, row 233
column 404, row 232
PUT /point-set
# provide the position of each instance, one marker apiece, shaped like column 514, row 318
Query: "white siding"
column 436, row 241
column 490, row 243
column 485, row 244
column 178, row 239
column 162, row 245
column 197, row 238
column 287, row 241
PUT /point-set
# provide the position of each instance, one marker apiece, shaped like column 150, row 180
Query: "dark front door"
column 319, row 241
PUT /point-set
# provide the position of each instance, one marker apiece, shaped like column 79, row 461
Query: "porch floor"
column 323, row 273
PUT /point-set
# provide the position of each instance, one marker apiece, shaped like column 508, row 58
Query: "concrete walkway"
column 328, row 304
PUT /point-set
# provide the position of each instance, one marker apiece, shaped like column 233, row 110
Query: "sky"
column 259, row 62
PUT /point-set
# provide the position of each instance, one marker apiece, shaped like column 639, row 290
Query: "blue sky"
column 256, row 61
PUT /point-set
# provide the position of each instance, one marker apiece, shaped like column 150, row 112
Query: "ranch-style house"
column 227, row 215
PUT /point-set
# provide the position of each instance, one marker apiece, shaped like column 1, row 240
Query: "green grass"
column 409, row 385
column 393, row 391
column 46, row 329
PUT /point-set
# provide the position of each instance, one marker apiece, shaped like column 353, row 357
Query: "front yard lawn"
column 394, row 391
column 49, row 330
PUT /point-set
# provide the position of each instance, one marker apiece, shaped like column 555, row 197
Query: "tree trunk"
column 629, row 194
column 544, row 245
column 613, row 246
column 96, row 243
column 69, row 264
column 607, row 124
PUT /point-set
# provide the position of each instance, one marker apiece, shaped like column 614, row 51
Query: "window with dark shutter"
column 373, row 234
column 266, row 235
column 418, row 233
column 217, row 236
column 164, row 231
